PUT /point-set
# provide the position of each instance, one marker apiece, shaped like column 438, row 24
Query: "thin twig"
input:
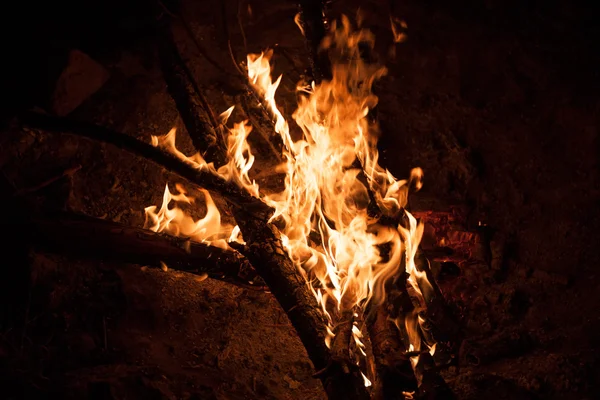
column 241, row 25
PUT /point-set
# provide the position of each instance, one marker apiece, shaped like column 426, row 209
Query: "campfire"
column 327, row 231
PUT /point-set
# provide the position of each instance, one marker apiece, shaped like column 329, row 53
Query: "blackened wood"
column 197, row 115
column 262, row 121
column 394, row 371
column 266, row 252
column 93, row 238
column 255, row 208
column 441, row 324
column 431, row 386
column 340, row 346
column 313, row 25
column 341, row 366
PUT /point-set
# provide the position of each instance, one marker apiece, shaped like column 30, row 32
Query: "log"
column 440, row 323
column 341, row 359
column 262, row 121
column 197, row 116
column 202, row 177
column 265, row 251
column 394, row 373
column 432, row 386
column 92, row 238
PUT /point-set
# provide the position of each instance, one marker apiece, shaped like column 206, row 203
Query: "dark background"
column 497, row 101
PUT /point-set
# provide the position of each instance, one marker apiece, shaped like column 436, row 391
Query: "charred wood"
column 196, row 113
column 440, row 323
column 341, row 367
column 394, row 374
column 262, row 120
column 255, row 208
column 265, row 251
column 93, row 238
column 432, row 386
column 340, row 346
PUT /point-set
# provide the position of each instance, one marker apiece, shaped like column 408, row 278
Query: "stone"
column 81, row 78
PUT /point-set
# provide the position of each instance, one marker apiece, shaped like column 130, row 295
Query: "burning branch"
column 203, row 177
column 395, row 375
column 92, row 238
column 199, row 120
column 293, row 294
column 264, row 249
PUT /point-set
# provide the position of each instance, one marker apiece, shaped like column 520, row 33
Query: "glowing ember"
column 331, row 175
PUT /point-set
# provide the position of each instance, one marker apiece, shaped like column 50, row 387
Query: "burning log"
column 261, row 120
column 440, row 323
column 432, row 386
column 293, row 294
column 199, row 120
column 394, row 371
column 200, row 176
column 92, row 238
column 265, row 250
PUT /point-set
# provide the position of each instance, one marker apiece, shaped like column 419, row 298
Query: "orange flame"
column 330, row 173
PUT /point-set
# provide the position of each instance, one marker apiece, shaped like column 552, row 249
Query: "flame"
column 331, row 175
column 398, row 26
column 366, row 380
column 298, row 22
column 176, row 222
column 239, row 155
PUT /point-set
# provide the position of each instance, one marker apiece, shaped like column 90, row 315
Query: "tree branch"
column 202, row 177
column 199, row 120
column 93, row 238
column 265, row 251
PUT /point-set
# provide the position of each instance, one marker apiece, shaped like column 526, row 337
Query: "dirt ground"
column 496, row 101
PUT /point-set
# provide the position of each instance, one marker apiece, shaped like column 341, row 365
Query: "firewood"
column 340, row 366
column 262, row 121
column 197, row 116
column 265, row 251
column 431, row 386
column 92, row 238
column 442, row 326
column 202, row 177
column 394, row 371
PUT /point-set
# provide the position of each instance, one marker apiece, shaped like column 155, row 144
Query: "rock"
column 294, row 384
column 81, row 78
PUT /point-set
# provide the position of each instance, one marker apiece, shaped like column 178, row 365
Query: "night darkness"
column 497, row 102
